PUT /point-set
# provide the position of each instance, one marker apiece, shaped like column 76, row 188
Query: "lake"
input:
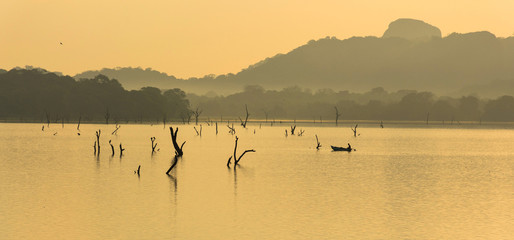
column 402, row 182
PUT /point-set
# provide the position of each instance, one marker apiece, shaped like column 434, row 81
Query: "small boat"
column 339, row 149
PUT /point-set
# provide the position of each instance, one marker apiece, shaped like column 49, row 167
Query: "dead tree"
column 137, row 171
column 243, row 123
column 153, row 145
column 78, row 125
column 198, row 133
column 98, row 140
column 428, row 114
column 112, row 147
column 197, row 113
column 300, row 132
column 354, row 129
column 237, row 159
column 232, row 130
column 337, row 115
column 121, row 150
column 228, row 162
column 381, row 124
column 178, row 150
column 266, row 115
column 116, row 130
column 318, row 144
column 47, row 119
column 107, row 116
column 292, row 129
column 216, row 128
column 173, row 163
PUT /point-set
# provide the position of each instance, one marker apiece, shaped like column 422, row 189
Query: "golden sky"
column 192, row 38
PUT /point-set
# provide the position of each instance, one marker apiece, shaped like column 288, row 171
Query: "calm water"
column 401, row 183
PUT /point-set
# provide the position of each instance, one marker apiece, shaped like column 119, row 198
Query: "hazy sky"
column 192, row 38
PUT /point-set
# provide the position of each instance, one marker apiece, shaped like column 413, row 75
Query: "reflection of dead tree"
column 286, row 132
column 98, row 140
column 243, row 123
column 237, row 159
column 107, row 116
column 153, row 145
column 116, row 131
column 216, row 128
column 337, row 114
column 174, row 162
column 197, row 113
column 292, row 129
column 94, row 148
column 178, row 150
column 121, row 150
column 112, row 147
column 164, row 121
column 318, row 144
column 354, row 129
column 232, row 130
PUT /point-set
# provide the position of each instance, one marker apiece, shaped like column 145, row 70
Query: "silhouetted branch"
column 243, row 123
column 198, row 133
column 112, row 148
column 98, row 140
column 197, row 113
column 178, row 149
column 236, row 160
column 116, row 130
column 121, row 150
column 354, row 129
column 300, row 132
column 318, row 144
column 232, row 130
column 153, row 145
column 337, row 115
column 228, row 162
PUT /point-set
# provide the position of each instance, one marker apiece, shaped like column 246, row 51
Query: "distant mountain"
column 410, row 55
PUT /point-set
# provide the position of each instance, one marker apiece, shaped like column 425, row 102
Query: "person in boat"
column 349, row 146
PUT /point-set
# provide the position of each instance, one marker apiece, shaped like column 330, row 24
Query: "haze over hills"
column 410, row 55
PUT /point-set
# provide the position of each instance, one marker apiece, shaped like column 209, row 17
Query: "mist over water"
column 403, row 182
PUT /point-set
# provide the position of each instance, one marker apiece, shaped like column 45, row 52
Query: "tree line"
column 376, row 104
column 38, row 95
